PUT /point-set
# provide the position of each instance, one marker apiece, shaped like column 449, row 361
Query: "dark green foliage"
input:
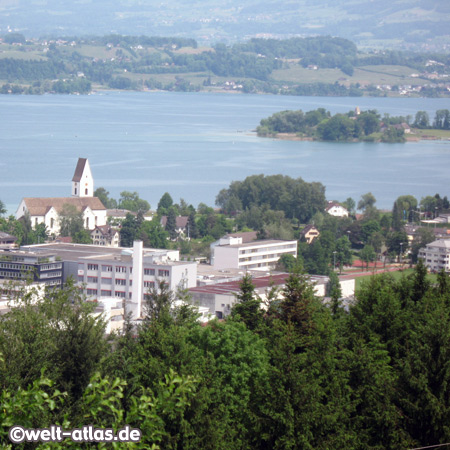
column 295, row 197
column 248, row 306
column 171, row 224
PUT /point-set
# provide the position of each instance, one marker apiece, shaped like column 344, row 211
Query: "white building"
column 221, row 297
column 122, row 273
column 436, row 256
column 260, row 255
column 48, row 210
column 334, row 209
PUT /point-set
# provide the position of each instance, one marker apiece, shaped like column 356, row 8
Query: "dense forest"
column 297, row 374
column 124, row 62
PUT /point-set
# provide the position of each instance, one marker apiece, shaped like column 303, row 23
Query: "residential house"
column 335, row 209
column 105, row 235
column 309, row 233
column 7, row 240
column 181, row 225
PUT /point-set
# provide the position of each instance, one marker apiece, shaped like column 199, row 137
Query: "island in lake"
column 354, row 126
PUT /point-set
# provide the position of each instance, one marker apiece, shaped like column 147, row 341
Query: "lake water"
column 194, row 144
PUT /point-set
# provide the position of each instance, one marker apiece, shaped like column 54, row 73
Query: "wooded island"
column 354, row 126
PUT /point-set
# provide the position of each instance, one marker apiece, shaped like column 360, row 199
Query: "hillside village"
column 117, row 271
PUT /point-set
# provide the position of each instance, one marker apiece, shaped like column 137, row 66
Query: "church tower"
column 82, row 181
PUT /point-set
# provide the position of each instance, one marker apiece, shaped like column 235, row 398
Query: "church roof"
column 40, row 206
column 79, row 169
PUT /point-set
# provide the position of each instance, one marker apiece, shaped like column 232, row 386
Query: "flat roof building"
column 231, row 252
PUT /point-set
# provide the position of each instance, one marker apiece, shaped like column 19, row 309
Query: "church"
column 48, row 210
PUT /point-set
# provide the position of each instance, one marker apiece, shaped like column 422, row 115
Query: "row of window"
column 16, row 266
column 123, row 269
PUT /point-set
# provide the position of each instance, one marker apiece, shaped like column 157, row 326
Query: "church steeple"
column 82, row 181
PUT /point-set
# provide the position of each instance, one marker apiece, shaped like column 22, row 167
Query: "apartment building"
column 257, row 255
column 436, row 255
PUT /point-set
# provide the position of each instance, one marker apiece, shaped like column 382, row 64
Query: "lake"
column 194, row 144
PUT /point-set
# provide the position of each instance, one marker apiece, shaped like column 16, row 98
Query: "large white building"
column 48, row 210
column 123, row 273
column 436, row 256
column 231, row 252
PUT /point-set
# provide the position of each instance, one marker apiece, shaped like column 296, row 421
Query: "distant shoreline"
column 295, row 137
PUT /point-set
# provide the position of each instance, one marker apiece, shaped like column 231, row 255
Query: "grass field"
column 396, row 275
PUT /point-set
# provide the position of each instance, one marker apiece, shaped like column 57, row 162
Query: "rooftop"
column 261, row 243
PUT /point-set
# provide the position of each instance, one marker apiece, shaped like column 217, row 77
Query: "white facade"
column 132, row 274
column 336, row 210
column 436, row 256
column 257, row 255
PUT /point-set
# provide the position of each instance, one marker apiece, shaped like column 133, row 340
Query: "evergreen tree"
column 397, row 217
column 171, row 224
column 192, row 226
column 248, row 306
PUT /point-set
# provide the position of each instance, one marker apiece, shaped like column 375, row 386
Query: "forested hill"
column 416, row 24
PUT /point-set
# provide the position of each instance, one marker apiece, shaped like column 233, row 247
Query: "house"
column 436, row 255
column 231, row 252
column 181, row 225
column 105, row 235
column 48, row 210
column 335, row 209
column 309, row 233
column 7, row 240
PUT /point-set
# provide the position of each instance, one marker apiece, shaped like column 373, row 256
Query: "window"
column 86, row 191
column 92, row 266
column 75, row 191
column 80, row 279
column 92, row 292
column 121, row 282
column 106, row 280
column 105, row 293
column 121, row 269
column 107, row 268
column 119, row 294
column 149, row 284
column 163, row 273
column 92, row 279
column 149, row 271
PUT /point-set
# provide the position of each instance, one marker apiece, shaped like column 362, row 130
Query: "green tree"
column 131, row 202
column 343, row 252
column 171, row 224
column 397, row 217
column 152, row 234
column 248, row 304
column 192, row 226
column 367, row 200
column 421, row 120
column 129, row 231
column 367, row 254
column 2, row 208
column 70, row 220
column 164, row 204
column 56, row 333
column 103, row 195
